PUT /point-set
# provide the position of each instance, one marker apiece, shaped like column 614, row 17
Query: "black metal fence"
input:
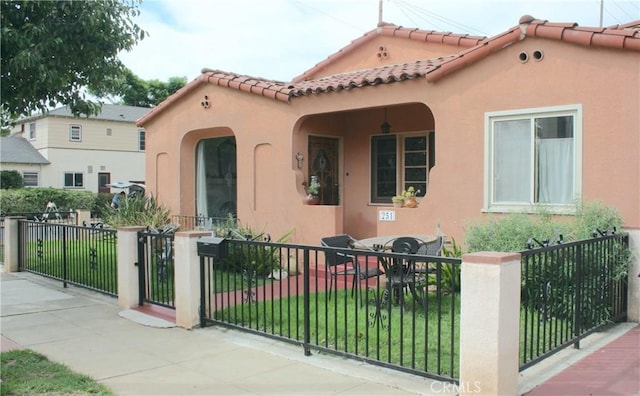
column 156, row 267
column 288, row 292
column 82, row 256
column 569, row 291
column 57, row 217
column 190, row 223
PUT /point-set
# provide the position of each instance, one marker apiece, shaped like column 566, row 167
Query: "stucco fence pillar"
column 84, row 217
column 186, row 273
column 11, row 243
column 633, row 284
column 489, row 323
column 187, row 278
column 128, row 287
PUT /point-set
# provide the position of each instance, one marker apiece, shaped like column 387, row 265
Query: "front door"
column 103, row 180
column 323, row 154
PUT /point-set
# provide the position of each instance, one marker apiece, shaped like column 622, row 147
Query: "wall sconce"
column 299, row 158
column 205, row 103
column 385, row 127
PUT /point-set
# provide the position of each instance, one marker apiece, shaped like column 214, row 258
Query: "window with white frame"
column 141, row 141
column 32, row 131
column 400, row 161
column 75, row 133
column 30, row 179
column 73, row 179
column 533, row 158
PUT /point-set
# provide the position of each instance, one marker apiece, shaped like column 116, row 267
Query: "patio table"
column 400, row 272
column 380, row 242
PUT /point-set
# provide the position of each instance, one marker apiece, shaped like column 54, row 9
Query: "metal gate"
column 156, row 267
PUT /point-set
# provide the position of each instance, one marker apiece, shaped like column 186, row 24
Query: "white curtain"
column 201, row 181
column 512, row 161
column 555, row 170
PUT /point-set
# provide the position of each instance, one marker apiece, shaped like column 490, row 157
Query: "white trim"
column 141, row 132
column 37, row 175
column 64, row 177
column 503, row 207
column 32, row 137
column 400, row 157
column 71, row 136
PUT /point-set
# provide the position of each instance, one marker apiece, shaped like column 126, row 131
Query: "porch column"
column 187, row 277
column 633, row 285
column 128, row 293
column 489, row 323
column 11, row 243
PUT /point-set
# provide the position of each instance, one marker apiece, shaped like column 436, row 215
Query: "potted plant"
column 398, row 201
column 410, row 197
column 313, row 192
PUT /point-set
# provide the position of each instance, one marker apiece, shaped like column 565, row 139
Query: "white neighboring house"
column 83, row 153
column 16, row 153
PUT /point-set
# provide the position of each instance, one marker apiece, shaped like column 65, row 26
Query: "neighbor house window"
column 141, row 143
column 533, row 158
column 30, row 179
column 397, row 162
column 32, row 131
column 75, row 133
column 73, row 179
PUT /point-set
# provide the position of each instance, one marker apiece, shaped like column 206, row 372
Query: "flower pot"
column 312, row 199
column 410, row 202
column 398, row 204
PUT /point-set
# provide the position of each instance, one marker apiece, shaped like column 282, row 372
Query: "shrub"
column 451, row 272
column 592, row 216
column 137, row 210
column 34, row 200
column 10, row 179
column 510, row 233
column 548, row 284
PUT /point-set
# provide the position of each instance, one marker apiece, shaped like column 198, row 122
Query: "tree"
column 10, row 179
column 134, row 91
column 53, row 50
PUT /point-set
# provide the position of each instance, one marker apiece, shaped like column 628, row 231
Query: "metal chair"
column 400, row 273
column 345, row 264
column 433, row 248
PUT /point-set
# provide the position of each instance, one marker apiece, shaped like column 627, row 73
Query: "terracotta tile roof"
column 368, row 77
column 390, row 30
column 623, row 37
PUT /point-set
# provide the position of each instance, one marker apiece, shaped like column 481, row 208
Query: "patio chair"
column 433, row 248
column 400, row 273
column 345, row 264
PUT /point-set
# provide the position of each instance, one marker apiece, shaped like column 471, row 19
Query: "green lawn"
column 407, row 338
column 89, row 261
column 423, row 339
column 24, row 372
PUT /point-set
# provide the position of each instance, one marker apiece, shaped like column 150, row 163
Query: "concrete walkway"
column 136, row 354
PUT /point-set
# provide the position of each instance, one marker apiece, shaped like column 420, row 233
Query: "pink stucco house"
column 544, row 113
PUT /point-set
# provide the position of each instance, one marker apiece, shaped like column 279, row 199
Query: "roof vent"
column 523, row 56
column 383, row 53
column 538, row 55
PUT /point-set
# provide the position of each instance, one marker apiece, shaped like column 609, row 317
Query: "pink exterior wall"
column 269, row 133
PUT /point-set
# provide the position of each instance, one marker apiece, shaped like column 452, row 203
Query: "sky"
column 280, row 39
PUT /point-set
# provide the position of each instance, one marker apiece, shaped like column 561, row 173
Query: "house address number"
column 387, row 215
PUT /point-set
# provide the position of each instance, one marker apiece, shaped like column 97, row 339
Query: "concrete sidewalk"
column 135, row 354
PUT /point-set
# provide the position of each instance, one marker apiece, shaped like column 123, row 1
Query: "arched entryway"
column 216, row 177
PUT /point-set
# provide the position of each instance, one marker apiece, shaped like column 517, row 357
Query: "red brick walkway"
column 613, row 370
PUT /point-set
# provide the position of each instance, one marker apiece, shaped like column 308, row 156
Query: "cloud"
column 280, row 39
